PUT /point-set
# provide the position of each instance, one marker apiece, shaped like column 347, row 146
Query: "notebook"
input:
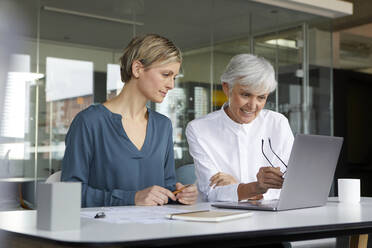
column 308, row 179
column 209, row 215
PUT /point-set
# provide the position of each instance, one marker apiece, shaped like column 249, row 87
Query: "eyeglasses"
column 272, row 152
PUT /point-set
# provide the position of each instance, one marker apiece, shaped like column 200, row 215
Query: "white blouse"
column 219, row 144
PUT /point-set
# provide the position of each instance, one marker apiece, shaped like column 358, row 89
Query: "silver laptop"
column 308, row 179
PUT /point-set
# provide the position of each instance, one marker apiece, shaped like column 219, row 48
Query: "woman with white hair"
column 240, row 152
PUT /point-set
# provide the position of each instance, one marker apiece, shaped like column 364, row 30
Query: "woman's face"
column 155, row 81
column 244, row 105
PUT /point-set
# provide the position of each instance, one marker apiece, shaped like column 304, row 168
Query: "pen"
column 179, row 190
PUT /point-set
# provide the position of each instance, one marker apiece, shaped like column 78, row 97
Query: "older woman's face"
column 244, row 105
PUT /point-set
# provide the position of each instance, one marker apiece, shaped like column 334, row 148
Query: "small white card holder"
column 58, row 206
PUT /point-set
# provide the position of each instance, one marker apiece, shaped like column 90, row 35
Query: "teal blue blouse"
column 111, row 169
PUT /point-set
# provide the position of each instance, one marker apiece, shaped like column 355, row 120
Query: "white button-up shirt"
column 219, row 144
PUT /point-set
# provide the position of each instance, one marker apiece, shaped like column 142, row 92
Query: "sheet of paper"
column 139, row 214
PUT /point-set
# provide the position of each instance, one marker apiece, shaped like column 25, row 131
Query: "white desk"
column 332, row 220
column 20, row 179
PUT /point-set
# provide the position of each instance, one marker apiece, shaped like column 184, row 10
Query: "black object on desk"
column 100, row 215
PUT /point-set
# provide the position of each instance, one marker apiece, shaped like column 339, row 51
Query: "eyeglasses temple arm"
column 264, row 154
column 276, row 154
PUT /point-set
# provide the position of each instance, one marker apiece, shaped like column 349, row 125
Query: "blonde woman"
column 121, row 151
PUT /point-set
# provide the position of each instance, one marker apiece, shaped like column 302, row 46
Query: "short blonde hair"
column 148, row 49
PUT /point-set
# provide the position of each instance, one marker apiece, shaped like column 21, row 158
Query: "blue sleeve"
column 169, row 167
column 76, row 164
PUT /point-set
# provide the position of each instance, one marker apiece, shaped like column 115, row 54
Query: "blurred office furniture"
column 187, row 101
column 186, row 174
column 11, row 185
column 11, row 193
column 5, row 165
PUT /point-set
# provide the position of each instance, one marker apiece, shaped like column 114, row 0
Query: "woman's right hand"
column 269, row 178
column 153, row 196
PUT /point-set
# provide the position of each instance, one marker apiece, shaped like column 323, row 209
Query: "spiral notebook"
column 210, row 215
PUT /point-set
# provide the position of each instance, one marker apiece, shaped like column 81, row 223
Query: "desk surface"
column 334, row 219
column 19, row 179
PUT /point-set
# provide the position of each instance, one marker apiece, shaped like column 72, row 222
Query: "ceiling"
column 190, row 23
column 355, row 48
column 362, row 14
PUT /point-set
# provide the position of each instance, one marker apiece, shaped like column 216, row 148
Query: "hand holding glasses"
column 269, row 177
column 274, row 154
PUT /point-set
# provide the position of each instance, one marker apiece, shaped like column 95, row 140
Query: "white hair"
column 252, row 71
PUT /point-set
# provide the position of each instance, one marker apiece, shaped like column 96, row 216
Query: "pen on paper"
column 180, row 190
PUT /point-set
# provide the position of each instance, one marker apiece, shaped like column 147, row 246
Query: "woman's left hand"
column 222, row 179
column 188, row 195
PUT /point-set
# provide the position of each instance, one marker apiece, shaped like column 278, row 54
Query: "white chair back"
column 185, row 174
column 55, row 177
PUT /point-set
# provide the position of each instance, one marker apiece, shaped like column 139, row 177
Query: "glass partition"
column 76, row 46
column 285, row 50
column 304, row 69
column 18, row 79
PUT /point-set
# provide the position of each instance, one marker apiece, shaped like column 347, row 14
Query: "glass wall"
column 302, row 56
column 72, row 49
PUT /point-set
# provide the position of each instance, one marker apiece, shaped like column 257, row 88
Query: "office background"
column 66, row 58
